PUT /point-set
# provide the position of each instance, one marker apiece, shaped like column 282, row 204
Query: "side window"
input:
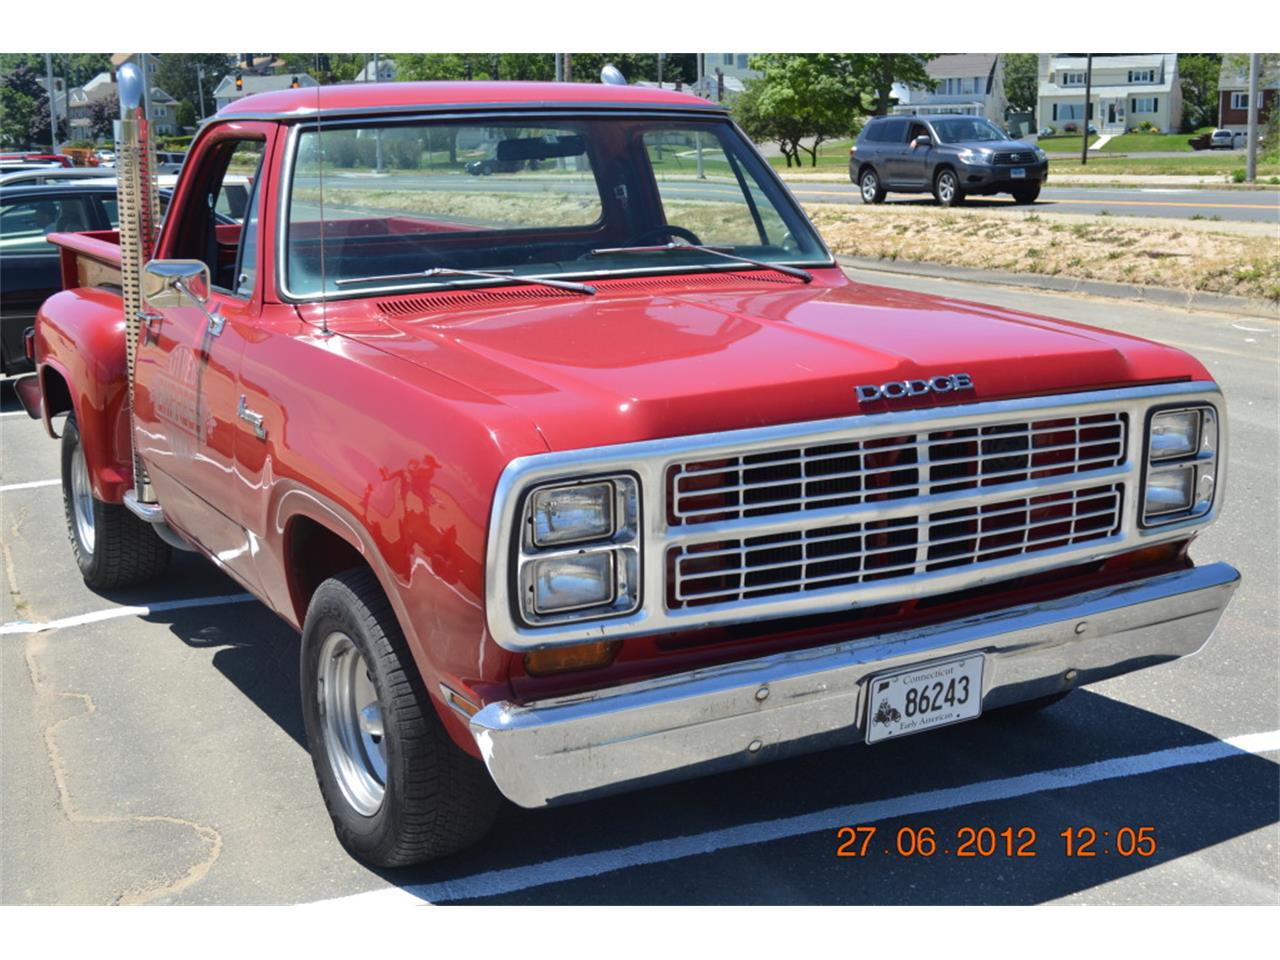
column 211, row 225
column 895, row 131
column 917, row 130
column 24, row 224
column 716, row 208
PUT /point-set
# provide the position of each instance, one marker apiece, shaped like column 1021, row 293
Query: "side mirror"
column 170, row 283
column 922, row 140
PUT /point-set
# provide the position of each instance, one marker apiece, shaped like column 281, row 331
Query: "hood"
column 994, row 146
column 724, row 352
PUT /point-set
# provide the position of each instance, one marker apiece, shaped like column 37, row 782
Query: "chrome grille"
column 1013, row 157
column 847, row 554
column 927, row 536
column 893, row 467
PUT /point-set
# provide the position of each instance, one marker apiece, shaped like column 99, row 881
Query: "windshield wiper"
column 804, row 275
column 482, row 274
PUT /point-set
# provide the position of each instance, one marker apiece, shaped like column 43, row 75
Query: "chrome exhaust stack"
column 138, row 201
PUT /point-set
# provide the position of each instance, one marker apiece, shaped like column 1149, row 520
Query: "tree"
column 176, row 75
column 24, row 107
column 1198, row 77
column 102, row 116
column 876, row 73
column 1022, row 80
column 804, row 96
column 185, row 114
column 435, row 66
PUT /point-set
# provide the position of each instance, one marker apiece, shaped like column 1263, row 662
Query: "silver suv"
column 951, row 156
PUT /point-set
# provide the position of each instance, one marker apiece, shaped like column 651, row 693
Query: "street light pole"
column 1251, row 136
column 53, row 112
column 559, row 68
column 1088, row 87
column 200, row 86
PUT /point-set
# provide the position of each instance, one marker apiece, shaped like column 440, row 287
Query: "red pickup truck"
column 588, row 468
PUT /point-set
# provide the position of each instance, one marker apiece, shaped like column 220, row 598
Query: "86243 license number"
column 924, row 697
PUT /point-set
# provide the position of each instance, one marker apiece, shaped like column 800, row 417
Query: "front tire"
column 112, row 547
column 946, row 189
column 1027, row 194
column 870, row 187
column 397, row 788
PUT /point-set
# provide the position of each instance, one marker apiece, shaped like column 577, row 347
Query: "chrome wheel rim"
column 351, row 718
column 82, row 499
column 869, row 187
column 946, row 187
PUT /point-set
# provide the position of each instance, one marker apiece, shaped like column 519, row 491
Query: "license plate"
column 1018, row 173
column 924, row 697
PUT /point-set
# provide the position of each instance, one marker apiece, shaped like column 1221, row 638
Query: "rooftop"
column 358, row 97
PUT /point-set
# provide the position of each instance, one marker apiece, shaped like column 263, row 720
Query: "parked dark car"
column 29, row 267
column 951, row 156
column 482, row 168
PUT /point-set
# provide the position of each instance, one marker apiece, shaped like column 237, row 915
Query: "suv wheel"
column 869, row 185
column 112, row 547
column 946, row 188
column 397, row 788
column 1026, row 194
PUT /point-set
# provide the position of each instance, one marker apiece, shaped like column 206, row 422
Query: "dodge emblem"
column 897, row 389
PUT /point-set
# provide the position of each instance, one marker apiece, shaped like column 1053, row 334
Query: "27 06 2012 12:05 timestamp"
column 986, row 841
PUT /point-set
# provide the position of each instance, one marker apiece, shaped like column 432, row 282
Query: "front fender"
column 80, row 337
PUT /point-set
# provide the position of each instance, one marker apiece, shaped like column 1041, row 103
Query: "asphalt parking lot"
column 153, row 749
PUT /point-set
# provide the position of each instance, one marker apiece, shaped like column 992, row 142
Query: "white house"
column 971, row 84
column 228, row 92
column 1127, row 91
column 384, row 72
column 723, row 75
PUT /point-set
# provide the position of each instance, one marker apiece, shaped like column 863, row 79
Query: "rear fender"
column 79, row 337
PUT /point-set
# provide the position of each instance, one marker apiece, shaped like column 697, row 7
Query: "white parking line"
column 112, row 613
column 14, row 413
column 496, row 882
column 29, row 485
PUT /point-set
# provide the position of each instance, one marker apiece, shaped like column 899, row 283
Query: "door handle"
column 252, row 418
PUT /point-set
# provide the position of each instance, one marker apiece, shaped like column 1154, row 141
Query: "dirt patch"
column 1093, row 248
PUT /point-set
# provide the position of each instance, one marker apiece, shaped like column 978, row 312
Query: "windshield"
column 529, row 196
column 968, row 130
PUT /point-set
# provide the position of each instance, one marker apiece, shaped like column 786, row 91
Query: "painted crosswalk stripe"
column 29, row 485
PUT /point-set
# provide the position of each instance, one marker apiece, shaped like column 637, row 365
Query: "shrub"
column 1146, row 126
column 1070, row 127
column 1237, row 176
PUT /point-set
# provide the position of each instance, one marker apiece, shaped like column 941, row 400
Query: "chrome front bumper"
column 676, row 727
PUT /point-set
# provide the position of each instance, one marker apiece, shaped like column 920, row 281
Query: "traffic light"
column 295, row 84
column 239, row 83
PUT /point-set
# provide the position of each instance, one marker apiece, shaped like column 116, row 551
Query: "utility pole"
column 1251, row 136
column 377, row 137
column 661, row 56
column 53, row 113
column 559, row 68
column 200, row 86
column 1088, row 89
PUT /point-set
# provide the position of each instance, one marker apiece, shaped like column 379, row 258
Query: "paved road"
column 156, row 754
column 1252, row 205
column 1179, row 203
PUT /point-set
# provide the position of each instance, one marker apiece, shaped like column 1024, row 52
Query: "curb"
column 1164, row 296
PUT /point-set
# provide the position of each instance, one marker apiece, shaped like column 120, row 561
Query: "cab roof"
column 361, row 98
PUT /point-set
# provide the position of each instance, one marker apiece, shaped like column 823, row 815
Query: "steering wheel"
column 665, row 230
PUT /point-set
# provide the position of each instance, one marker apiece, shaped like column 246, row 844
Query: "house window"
column 1073, row 79
column 1240, row 101
column 742, row 61
column 1144, row 104
column 1142, row 76
column 728, row 59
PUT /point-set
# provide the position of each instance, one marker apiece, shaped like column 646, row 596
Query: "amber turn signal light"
column 578, row 657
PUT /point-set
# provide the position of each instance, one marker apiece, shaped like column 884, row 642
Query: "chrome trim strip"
column 650, row 460
column 578, row 747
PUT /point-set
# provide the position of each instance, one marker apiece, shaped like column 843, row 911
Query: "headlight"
column 1181, row 465
column 572, row 514
column 1174, row 434
column 579, row 554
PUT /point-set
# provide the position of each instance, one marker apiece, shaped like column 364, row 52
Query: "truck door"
column 187, row 409
column 895, row 149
